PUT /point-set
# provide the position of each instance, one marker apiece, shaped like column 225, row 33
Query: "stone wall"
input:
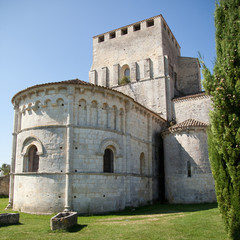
column 155, row 101
column 195, row 107
column 110, row 55
column 72, row 123
column 4, row 185
column 189, row 78
column 152, row 55
column 39, row 192
column 71, row 141
column 188, row 177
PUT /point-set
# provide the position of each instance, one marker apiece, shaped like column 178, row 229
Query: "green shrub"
column 124, row 80
column 224, row 134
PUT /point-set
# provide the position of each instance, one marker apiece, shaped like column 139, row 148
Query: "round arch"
column 29, row 142
column 125, row 72
column 110, row 144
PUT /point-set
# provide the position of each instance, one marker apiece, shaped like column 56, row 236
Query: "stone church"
column 134, row 134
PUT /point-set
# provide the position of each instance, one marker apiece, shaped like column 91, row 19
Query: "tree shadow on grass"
column 160, row 208
column 76, row 228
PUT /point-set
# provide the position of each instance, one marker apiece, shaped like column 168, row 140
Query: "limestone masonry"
column 134, row 134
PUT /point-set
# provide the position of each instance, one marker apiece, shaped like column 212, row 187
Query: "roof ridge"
column 195, row 95
column 71, row 81
column 80, row 82
column 186, row 124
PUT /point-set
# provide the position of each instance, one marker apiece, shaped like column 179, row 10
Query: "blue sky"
column 51, row 40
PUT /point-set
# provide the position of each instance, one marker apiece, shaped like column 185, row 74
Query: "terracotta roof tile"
column 80, row 82
column 187, row 124
column 72, row 81
column 196, row 95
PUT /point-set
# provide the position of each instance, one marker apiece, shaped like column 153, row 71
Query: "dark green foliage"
column 224, row 134
column 124, row 80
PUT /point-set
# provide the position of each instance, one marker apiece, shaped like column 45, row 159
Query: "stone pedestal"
column 9, row 218
column 63, row 220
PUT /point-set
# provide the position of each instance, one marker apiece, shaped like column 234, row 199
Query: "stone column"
column 118, row 120
column 19, row 121
column 98, row 116
column 127, row 148
column 109, row 115
column 150, row 149
column 69, row 148
column 121, row 121
column 13, row 161
column 88, row 106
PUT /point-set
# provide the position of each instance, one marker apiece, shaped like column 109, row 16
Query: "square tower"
column 142, row 60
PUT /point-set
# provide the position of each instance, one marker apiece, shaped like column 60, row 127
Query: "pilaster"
column 13, row 161
column 147, row 68
column 150, row 157
column 69, row 149
column 116, row 74
column 133, row 72
column 93, row 77
column 105, row 77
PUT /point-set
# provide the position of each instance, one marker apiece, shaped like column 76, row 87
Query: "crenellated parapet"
column 143, row 60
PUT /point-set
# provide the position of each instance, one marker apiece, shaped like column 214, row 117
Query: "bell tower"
column 142, row 60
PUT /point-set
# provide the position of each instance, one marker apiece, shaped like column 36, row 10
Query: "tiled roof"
column 80, row 82
column 76, row 81
column 187, row 124
column 72, row 81
column 197, row 95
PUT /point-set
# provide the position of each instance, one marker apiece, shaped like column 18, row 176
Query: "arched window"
column 108, row 159
column 127, row 73
column 33, row 159
column 60, row 102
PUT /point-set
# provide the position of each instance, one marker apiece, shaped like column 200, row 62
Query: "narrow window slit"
column 189, row 171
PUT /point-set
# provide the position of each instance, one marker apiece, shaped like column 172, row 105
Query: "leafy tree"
column 224, row 134
column 5, row 169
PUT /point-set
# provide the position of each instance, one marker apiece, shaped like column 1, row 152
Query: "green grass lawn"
column 159, row 221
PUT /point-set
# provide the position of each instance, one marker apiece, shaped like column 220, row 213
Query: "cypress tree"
column 224, row 133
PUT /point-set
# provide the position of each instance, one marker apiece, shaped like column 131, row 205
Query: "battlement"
column 144, row 57
column 137, row 48
column 135, row 27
